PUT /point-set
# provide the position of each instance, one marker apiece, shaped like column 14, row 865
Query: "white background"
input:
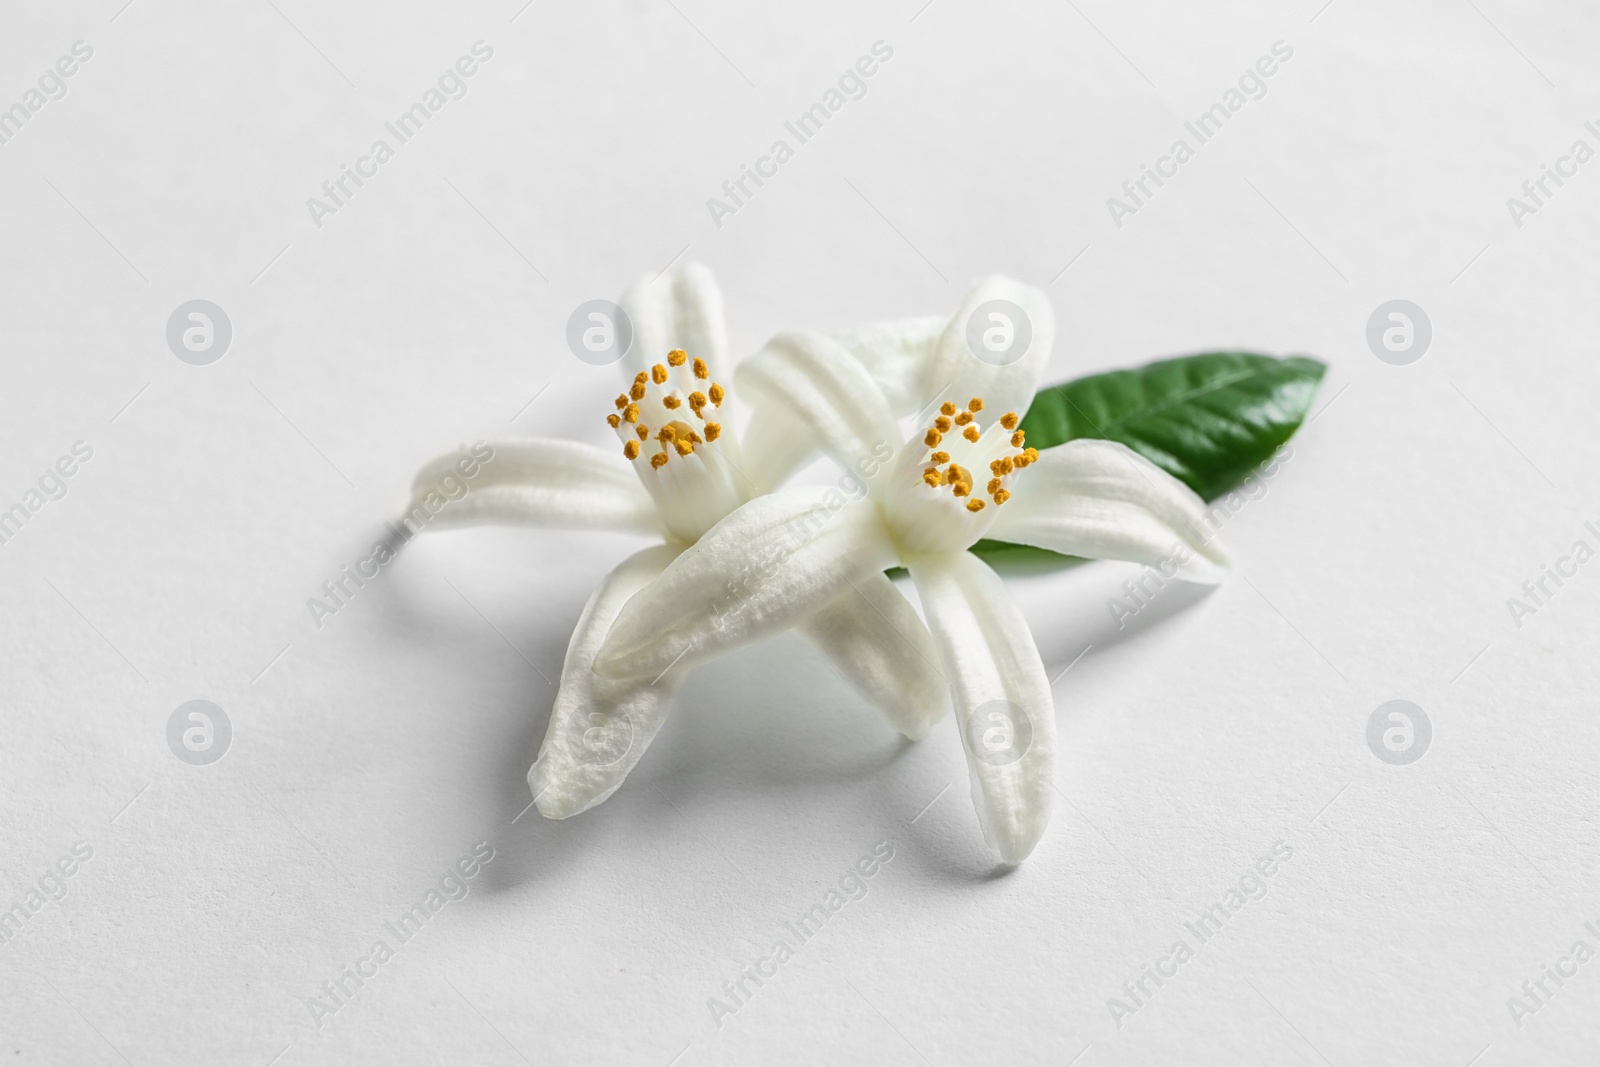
column 371, row 753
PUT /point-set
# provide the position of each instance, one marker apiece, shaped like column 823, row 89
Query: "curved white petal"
column 1003, row 706
column 807, row 384
column 878, row 641
column 538, row 482
column 758, row 572
column 1102, row 500
column 599, row 729
column 1019, row 326
column 896, row 354
column 681, row 308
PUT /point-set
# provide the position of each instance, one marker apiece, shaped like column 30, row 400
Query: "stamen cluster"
column 660, row 394
column 976, row 447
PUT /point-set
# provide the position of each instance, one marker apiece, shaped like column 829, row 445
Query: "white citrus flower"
column 967, row 473
column 676, row 471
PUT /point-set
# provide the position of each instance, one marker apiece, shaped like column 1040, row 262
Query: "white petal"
column 806, row 383
column 599, row 729
column 897, row 355
column 679, row 309
column 758, row 572
column 1003, row 706
column 877, row 639
column 538, row 482
column 1007, row 379
column 1102, row 500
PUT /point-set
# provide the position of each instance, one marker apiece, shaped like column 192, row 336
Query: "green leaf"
column 1207, row 420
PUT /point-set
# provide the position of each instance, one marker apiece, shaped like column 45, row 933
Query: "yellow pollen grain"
column 1009, row 420
column 994, row 486
column 683, row 447
column 631, row 449
column 613, row 420
column 644, row 431
column 666, row 435
column 1000, row 497
column 975, row 404
column 964, row 417
column 658, row 460
column 974, row 505
column 713, row 431
column 622, row 401
column 701, row 371
column 637, row 392
column 971, row 433
column 931, row 476
column 630, row 413
column 961, row 489
column 941, row 424
column 947, row 408
column 1017, row 439
column 1032, row 454
column 1006, row 465
column 677, row 357
column 939, row 457
column 697, row 400
column 658, row 374
column 933, row 439
column 716, row 394
column 671, row 402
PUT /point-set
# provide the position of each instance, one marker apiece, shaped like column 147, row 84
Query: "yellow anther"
column 658, row 460
column 931, row 476
column 637, row 392
column 658, row 374
column 939, row 457
column 697, row 400
column 677, row 357
column 1006, row 465
column 961, row 488
column 964, row 417
column 1032, row 454
column 713, row 431
column 947, row 408
column 971, row 433
column 994, row 468
column 666, row 435
column 975, row 404
column 671, row 402
column 644, row 431
column 622, row 401
column 613, row 420
column 1000, row 497
column 1017, row 439
column 716, row 394
column 994, row 485
column 683, row 447
column 933, row 439
column 701, row 371
column 941, row 424
column 631, row 449
column 974, row 505
column 1009, row 420
column 630, row 413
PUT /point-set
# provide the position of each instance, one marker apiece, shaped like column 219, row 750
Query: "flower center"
column 665, row 422
column 950, row 462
